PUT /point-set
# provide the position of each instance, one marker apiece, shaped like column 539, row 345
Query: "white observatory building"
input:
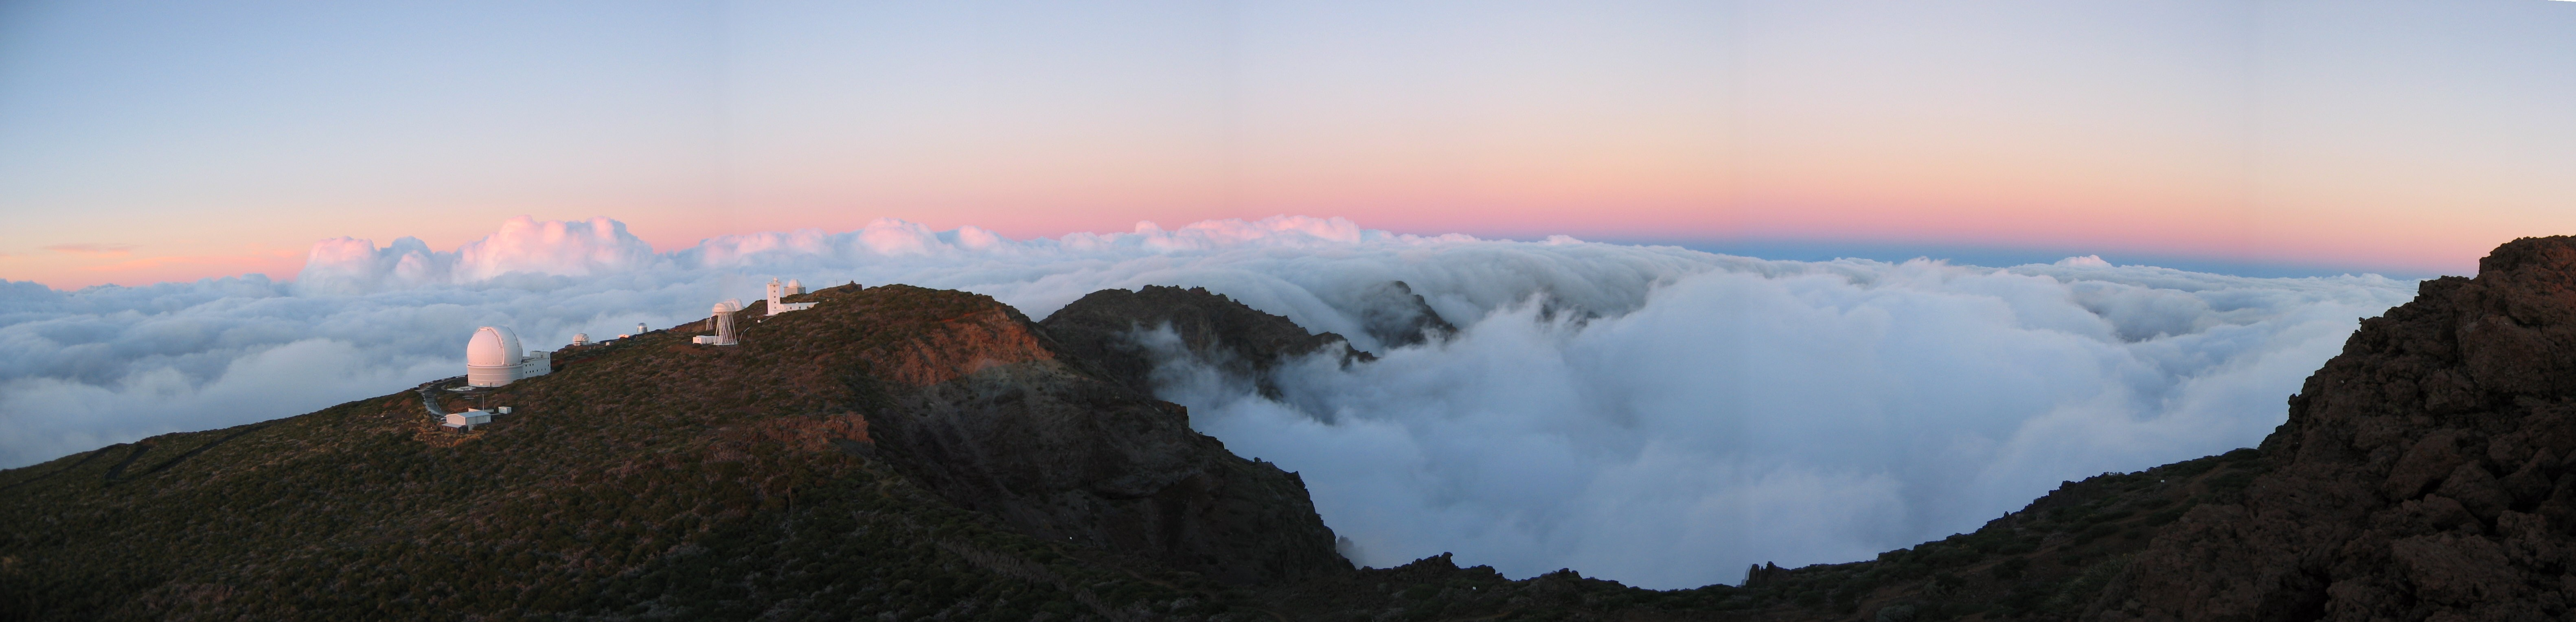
column 494, row 358
column 790, row 289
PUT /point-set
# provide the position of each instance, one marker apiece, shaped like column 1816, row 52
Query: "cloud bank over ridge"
column 1649, row 414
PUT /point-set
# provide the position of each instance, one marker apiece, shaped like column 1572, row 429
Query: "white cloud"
column 1742, row 415
column 1650, row 414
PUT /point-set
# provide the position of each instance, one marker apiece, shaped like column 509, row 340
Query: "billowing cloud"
column 1650, row 414
column 523, row 246
column 1739, row 416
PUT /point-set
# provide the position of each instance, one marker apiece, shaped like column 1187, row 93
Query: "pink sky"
column 214, row 141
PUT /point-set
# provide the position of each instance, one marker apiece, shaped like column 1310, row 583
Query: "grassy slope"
column 654, row 478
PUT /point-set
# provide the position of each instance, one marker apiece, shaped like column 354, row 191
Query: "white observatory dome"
column 494, row 346
column 492, row 358
column 727, row 307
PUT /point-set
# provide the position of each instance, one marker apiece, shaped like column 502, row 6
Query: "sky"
column 148, row 142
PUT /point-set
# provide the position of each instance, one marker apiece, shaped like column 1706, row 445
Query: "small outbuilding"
column 468, row 419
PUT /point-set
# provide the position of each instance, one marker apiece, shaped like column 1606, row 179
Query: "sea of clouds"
column 1654, row 415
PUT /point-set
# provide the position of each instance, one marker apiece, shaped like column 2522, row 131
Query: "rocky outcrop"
column 1397, row 317
column 977, row 402
column 2423, row 474
column 1112, row 328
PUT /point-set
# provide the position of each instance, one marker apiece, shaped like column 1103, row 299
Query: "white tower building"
column 493, row 358
column 790, row 289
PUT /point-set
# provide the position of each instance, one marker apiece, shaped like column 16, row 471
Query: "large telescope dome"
column 494, row 346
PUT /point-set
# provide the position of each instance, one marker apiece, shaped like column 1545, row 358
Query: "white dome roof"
column 727, row 307
column 792, row 284
column 493, row 346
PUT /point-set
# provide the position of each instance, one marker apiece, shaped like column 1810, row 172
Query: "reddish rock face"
column 2422, row 475
column 954, row 347
column 987, row 409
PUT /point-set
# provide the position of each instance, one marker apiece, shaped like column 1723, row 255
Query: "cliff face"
column 2423, row 474
column 981, row 407
column 994, row 414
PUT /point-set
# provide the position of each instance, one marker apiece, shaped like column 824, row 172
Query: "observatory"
column 494, row 358
column 790, row 289
column 723, row 321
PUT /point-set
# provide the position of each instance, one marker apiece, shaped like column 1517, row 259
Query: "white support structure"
column 723, row 321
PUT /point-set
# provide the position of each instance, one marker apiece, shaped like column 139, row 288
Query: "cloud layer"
column 1649, row 414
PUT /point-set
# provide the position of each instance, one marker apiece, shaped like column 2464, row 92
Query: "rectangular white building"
column 468, row 419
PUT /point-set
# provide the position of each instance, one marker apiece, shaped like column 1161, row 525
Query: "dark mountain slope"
column 2423, row 474
column 817, row 470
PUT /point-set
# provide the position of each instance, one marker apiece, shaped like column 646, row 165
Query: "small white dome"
column 727, row 307
column 493, row 346
column 794, row 286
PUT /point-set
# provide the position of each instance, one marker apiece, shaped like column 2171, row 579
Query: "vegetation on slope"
column 651, row 479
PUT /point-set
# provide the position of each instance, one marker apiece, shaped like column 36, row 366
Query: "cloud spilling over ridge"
column 1649, row 414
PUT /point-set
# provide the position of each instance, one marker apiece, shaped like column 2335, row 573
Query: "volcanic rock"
column 2422, row 474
